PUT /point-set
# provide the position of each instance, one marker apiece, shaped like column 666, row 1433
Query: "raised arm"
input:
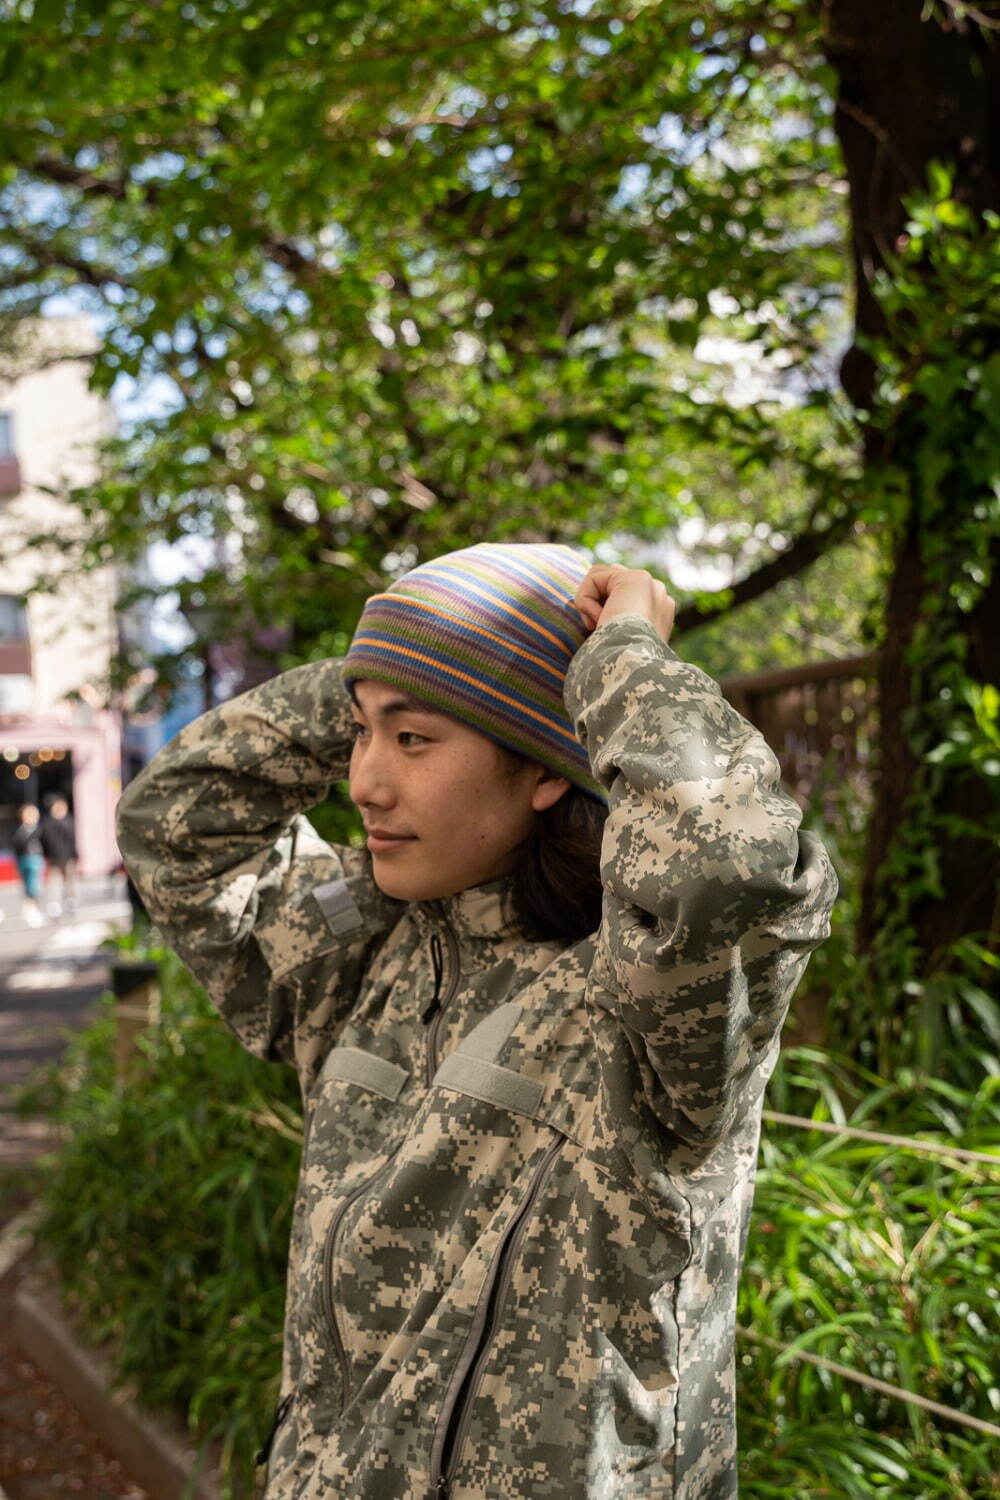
column 276, row 923
column 714, row 897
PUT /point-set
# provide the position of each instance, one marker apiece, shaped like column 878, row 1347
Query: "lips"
column 380, row 841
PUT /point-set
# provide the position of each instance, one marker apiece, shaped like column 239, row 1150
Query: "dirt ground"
column 46, row 1450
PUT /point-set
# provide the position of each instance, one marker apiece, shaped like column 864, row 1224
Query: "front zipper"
column 433, row 1015
column 329, row 1251
column 456, row 1408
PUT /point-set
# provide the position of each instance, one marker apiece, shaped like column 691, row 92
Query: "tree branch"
column 88, row 183
column 278, row 249
column 802, row 553
column 49, row 255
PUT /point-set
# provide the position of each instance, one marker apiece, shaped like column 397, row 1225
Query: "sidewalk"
column 92, row 891
column 50, row 977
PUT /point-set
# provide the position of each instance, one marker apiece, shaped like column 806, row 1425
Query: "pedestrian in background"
column 30, row 856
column 58, row 835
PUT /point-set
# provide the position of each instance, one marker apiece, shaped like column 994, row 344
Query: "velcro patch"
column 352, row 1065
column 487, row 1039
column 335, row 901
column 489, row 1083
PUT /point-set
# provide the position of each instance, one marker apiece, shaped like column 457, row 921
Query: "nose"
column 369, row 779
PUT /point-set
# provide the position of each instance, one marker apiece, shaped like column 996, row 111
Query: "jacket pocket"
column 345, row 1125
column 456, row 1409
column 366, row 1185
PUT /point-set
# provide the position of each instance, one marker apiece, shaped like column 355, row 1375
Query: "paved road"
column 50, row 977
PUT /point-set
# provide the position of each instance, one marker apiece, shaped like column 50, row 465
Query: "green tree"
column 406, row 274
column 918, row 109
column 400, row 273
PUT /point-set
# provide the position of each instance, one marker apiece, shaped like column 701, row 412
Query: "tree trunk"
column 911, row 91
column 968, row 868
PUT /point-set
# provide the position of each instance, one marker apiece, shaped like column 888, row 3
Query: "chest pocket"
column 472, row 1068
column 355, row 1106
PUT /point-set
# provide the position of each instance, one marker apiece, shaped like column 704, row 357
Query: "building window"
column 10, row 469
column 13, row 619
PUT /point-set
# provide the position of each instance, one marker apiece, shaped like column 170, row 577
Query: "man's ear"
column 548, row 789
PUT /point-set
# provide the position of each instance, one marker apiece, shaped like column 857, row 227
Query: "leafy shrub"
column 167, row 1212
column 883, row 1260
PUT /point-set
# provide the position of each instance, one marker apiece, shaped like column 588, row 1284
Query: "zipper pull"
column 264, row 1452
column 437, row 961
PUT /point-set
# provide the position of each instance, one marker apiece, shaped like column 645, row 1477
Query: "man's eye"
column 406, row 737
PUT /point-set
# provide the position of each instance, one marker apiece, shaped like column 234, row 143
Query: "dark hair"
column 555, row 890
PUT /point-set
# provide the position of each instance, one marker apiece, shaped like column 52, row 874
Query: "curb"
column 155, row 1452
column 15, row 1241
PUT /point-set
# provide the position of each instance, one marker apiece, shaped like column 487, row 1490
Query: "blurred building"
column 58, row 733
column 152, row 626
column 219, row 651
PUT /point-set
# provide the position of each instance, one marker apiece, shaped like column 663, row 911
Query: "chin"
column 398, row 887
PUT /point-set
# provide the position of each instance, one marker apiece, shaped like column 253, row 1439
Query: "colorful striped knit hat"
column 485, row 634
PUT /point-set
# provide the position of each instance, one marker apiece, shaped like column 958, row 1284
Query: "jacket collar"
column 476, row 913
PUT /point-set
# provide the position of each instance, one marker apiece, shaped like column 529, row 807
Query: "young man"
column 533, row 1020
column 58, row 835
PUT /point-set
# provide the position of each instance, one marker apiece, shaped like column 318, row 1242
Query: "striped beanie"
column 485, row 634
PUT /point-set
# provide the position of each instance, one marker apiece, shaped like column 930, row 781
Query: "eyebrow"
column 403, row 704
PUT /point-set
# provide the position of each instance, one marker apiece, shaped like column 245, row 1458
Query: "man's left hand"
column 610, row 590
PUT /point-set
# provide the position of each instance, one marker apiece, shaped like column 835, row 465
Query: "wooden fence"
column 820, row 720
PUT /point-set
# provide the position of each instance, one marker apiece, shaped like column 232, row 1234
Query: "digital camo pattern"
column 519, row 1222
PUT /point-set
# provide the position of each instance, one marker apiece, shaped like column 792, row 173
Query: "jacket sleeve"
column 713, row 897
column 277, row 924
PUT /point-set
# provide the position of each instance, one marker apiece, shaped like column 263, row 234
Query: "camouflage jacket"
column 527, row 1168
